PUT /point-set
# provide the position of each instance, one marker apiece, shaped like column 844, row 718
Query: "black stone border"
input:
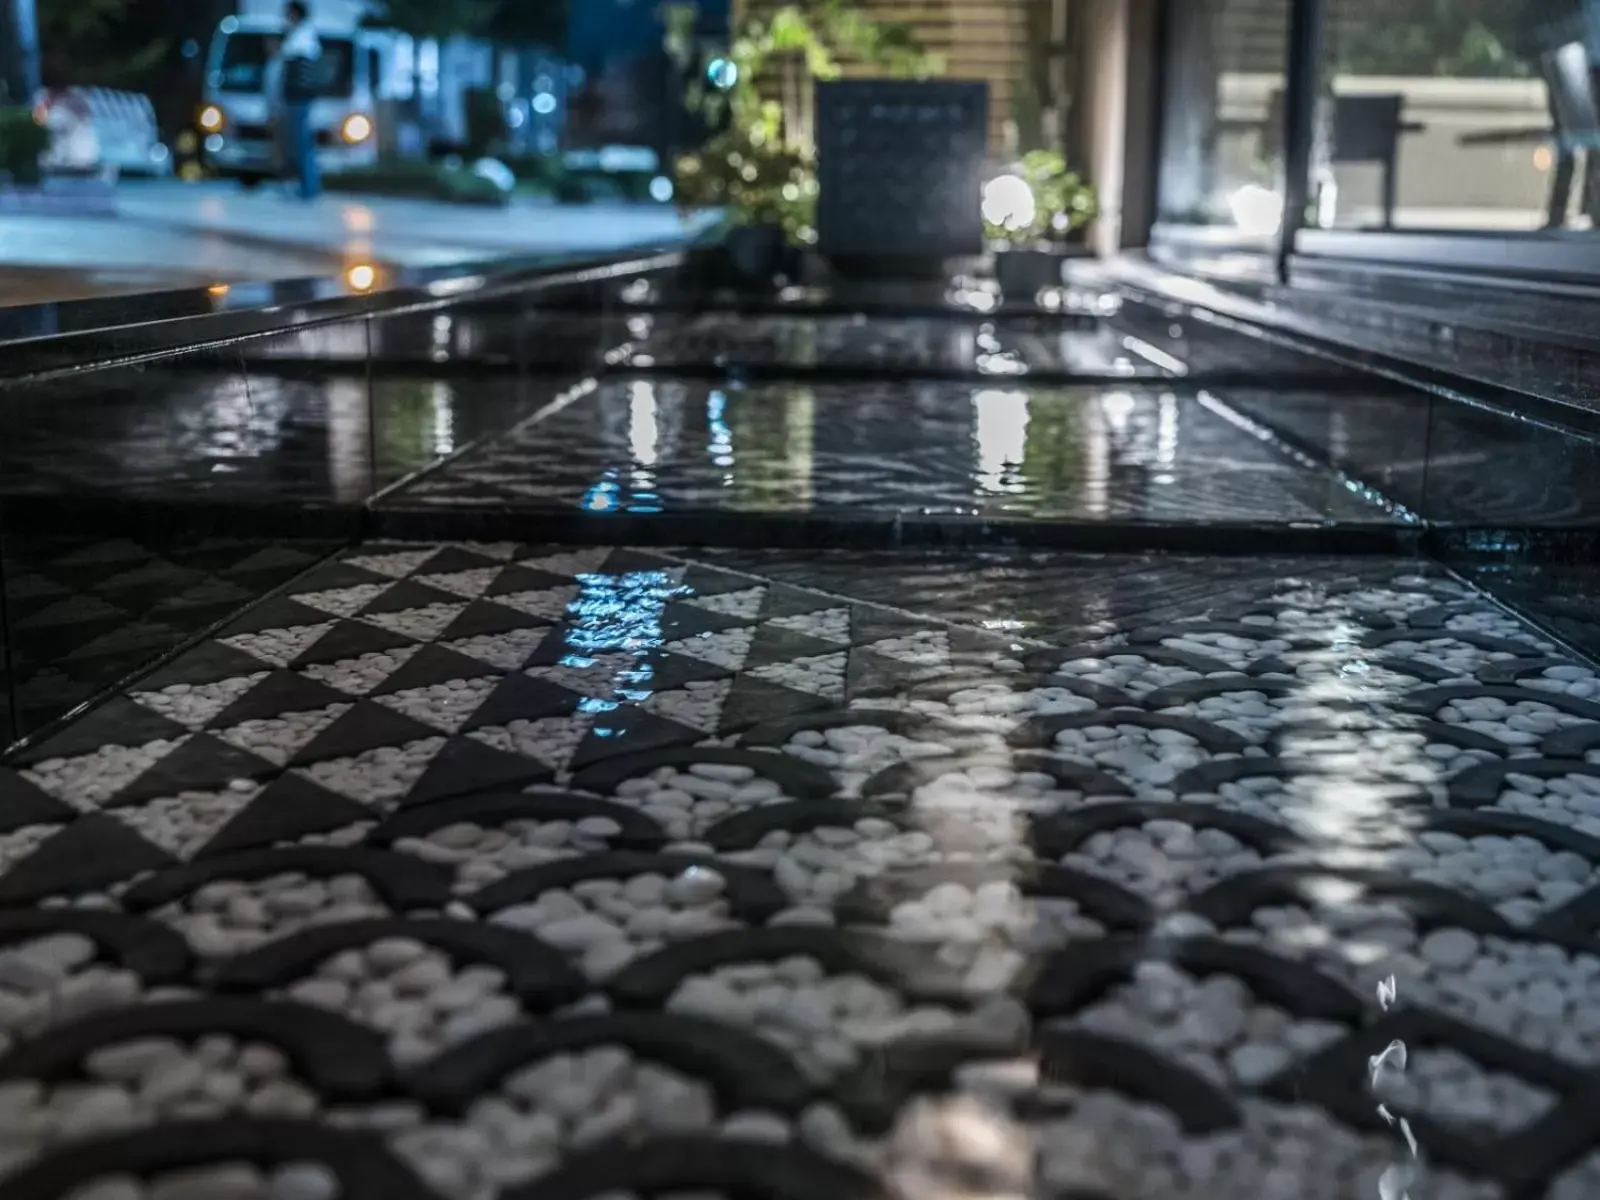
column 797, row 777
column 904, row 778
column 647, row 982
column 364, row 1167
column 1039, row 732
column 1232, row 901
column 1086, row 1059
column 403, row 881
column 536, row 974
column 341, row 1058
column 744, row 830
column 745, row 1070
column 1522, row 1161
column 152, row 951
column 750, row 891
column 738, row 1170
column 1098, row 898
column 1079, row 974
column 1062, row 833
column 639, row 831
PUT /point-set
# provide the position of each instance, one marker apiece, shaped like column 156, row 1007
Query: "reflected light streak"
column 444, row 418
column 1000, row 433
column 973, row 299
column 1118, row 407
column 1355, row 803
column 1097, row 462
column 644, row 432
column 358, row 218
column 1154, row 355
column 960, row 1148
column 1004, row 363
column 1166, row 437
column 349, row 440
column 454, row 287
column 615, row 620
column 720, row 447
column 603, row 495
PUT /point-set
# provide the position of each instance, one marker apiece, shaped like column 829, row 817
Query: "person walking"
column 299, row 84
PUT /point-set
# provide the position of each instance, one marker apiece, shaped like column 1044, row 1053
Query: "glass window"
column 245, row 56
column 1222, row 139
column 1458, row 115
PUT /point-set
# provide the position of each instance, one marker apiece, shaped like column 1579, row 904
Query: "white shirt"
column 301, row 42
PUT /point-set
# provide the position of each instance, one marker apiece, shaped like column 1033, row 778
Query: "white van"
column 236, row 112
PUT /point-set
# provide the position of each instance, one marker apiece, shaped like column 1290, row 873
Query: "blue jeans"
column 301, row 144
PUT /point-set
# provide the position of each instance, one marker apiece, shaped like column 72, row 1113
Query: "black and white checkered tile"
column 506, row 871
column 88, row 611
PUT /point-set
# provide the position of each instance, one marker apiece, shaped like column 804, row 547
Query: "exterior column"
column 1104, row 97
column 19, row 52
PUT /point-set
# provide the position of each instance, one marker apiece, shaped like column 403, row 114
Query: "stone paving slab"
column 999, row 347
column 1002, row 452
column 493, row 871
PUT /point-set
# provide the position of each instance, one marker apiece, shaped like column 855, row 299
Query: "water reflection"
column 997, row 347
column 720, row 446
column 931, row 448
column 1000, row 429
column 613, row 625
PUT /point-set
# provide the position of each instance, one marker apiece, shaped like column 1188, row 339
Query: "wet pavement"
column 1024, row 453
column 398, row 231
column 50, row 259
column 509, row 858
column 169, row 234
column 497, row 869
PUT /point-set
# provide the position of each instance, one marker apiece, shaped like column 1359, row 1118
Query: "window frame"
column 1534, row 255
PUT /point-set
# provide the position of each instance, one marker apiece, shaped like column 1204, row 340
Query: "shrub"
column 486, row 122
column 22, row 141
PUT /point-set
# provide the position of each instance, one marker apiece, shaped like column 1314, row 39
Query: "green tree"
column 1475, row 39
column 96, row 42
column 530, row 22
column 438, row 18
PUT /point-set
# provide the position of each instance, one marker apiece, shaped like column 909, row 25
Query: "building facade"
column 1008, row 44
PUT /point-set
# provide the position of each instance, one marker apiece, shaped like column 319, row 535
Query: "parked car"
column 99, row 131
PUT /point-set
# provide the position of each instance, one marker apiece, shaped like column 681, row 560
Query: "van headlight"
column 357, row 127
column 211, row 119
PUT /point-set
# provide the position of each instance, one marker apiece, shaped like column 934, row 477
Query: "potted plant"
column 22, row 141
column 1037, row 215
column 760, row 169
column 767, row 191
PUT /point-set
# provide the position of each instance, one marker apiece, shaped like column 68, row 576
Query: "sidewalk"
column 396, row 231
column 172, row 235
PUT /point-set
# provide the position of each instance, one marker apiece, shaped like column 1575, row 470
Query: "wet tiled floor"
column 1001, row 453
column 1001, row 347
column 87, row 612
column 515, row 871
column 512, row 871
